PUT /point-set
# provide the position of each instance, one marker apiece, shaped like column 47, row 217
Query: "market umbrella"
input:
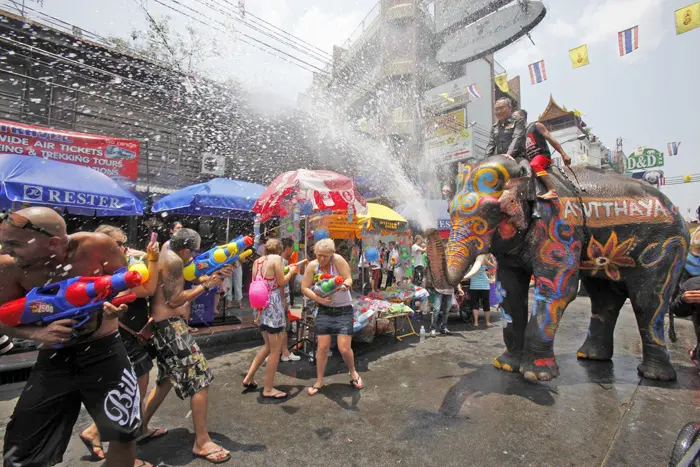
column 379, row 219
column 219, row 197
column 85, row 191
column 322, row 189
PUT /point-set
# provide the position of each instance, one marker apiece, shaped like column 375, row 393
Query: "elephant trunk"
column 444, row 276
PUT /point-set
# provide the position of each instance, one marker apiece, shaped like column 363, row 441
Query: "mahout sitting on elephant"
column 621, row 237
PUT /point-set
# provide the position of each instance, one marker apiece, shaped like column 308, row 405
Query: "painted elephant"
column 622, row 237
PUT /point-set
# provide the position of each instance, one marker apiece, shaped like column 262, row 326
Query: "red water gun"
column 75, row 298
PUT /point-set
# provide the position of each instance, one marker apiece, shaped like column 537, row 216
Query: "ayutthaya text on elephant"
column 602, row 212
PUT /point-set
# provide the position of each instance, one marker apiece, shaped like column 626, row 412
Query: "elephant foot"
column 595, row 350
column 508, row 361
column 540, row 369
column 657, row 370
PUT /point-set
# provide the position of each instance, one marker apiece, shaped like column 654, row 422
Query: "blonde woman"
column 272, row 319
column 335, row 313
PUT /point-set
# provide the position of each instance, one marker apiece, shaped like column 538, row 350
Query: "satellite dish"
column 491, row 33
column 451, row 14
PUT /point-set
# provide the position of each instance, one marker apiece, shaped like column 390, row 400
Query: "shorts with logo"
column 179, row 358
column 97, row 374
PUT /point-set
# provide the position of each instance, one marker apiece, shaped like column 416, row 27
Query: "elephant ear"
column 514, row 199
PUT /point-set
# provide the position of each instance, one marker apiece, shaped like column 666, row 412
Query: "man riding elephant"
column 622, row 237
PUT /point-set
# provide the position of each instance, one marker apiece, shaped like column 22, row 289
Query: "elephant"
column 621, row 237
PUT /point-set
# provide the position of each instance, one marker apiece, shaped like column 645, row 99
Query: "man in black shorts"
column 91, row 367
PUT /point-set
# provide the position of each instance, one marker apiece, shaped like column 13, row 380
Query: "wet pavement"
column 439, row 403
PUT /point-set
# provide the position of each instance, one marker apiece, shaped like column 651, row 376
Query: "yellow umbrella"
column 379, row 218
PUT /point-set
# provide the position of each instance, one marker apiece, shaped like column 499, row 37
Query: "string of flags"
column 628, row 40
column 673, row 148
column 538, row 73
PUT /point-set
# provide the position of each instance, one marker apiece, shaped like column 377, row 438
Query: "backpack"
column 258, row 292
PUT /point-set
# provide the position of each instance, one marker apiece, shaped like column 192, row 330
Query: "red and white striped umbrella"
column 325, row 190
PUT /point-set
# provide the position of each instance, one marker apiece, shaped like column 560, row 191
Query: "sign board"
column 491, row 33
column 652, row 176
column 213, row 164
column 456, row 13
column 446, row 96
column 447, row 139
column 444, row 224
column 114, row 157
column 644, row 158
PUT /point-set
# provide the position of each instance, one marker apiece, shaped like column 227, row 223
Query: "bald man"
column 91, row 368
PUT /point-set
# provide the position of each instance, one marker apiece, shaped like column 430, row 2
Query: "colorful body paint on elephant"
column 477, row 190
column 556, row 272
column 506, row 319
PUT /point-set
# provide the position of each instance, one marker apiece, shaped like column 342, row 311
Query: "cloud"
column 561, row 28
column 605, row 19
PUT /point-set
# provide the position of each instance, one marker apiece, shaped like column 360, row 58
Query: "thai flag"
column 628, row 40
column 537, row 72
column 673, row 148
column 662, row 181
column 473, row 91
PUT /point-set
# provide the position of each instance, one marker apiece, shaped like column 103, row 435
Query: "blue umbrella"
column 219, row 197
column 27, row 179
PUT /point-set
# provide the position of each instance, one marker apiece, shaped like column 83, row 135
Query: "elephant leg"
column 606, row 301
column 515, row 283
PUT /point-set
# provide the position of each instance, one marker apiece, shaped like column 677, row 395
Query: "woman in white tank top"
column 335, row 313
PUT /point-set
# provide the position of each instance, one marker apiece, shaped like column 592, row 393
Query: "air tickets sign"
column 114, row 157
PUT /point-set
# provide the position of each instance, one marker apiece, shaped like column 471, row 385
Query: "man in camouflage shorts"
column 180, row 361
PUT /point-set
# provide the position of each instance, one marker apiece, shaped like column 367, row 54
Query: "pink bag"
column 258, row 292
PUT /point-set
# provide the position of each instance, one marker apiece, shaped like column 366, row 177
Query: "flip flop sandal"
column 313, row 390
column 251, row 385
column 154, row 434
column 207, row 456
column 91, row 448
column 276, row 396
column 143, row 463
column 357, row 383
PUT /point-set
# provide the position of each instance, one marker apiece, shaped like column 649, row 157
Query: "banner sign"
column 114, row 157
column 446, row 138
column 644, row 158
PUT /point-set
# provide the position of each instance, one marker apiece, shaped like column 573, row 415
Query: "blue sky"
column 648, row 97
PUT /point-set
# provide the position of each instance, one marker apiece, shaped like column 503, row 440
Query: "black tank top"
column 535, row 144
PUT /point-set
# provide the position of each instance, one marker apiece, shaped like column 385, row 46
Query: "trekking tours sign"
column 114, row 157
column 644, row 158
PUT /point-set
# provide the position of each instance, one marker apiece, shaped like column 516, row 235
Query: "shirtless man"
column 91, row 368
column 180, row 362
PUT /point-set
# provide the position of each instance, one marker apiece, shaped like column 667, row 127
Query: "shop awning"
column 379, row 220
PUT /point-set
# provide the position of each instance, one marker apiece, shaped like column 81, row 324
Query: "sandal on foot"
column 313, row 390
column 140, row 463
column 151, row 435
column 208, row 456
column 357, row 383
column 277, row 395
column 91, row 448
column 250, row 385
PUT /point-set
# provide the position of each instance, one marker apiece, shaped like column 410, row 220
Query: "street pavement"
column 438, row 403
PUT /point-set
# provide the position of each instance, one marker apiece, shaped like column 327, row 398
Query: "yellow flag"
column 579, row 56
column 578, row 113
column 502, row 82
column 687, row 178
column 688, row 18
column 397, row 114
column 446, row 95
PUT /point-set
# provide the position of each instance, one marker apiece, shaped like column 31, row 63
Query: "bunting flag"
column 673, row 148
column 688, row 18
column 397, row 114
column 687, row 178
column 662, row 181
column 579, row 56
column 628, row 40
column 502, row 82
column 446, row 96
column 419, row 110
column 538, row 73
column 473, row 91
column 578, row 113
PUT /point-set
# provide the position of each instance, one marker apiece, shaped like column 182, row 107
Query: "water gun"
column 75, row 298
column 211, row 261
column 327, row 287
column 286, row 269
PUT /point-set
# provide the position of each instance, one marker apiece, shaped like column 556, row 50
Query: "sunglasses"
column 121, row 244
column 21, row 222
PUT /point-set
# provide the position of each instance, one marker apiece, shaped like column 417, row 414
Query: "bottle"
column 422, row 334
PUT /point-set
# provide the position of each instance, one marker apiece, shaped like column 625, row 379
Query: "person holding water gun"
column 131, row 325
column 180, row 361
column 91, row 367
column 335, row 312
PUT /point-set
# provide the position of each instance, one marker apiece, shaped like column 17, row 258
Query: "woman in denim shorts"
column 335, row 313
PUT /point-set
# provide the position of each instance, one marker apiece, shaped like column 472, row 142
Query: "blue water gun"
column 211, row 261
